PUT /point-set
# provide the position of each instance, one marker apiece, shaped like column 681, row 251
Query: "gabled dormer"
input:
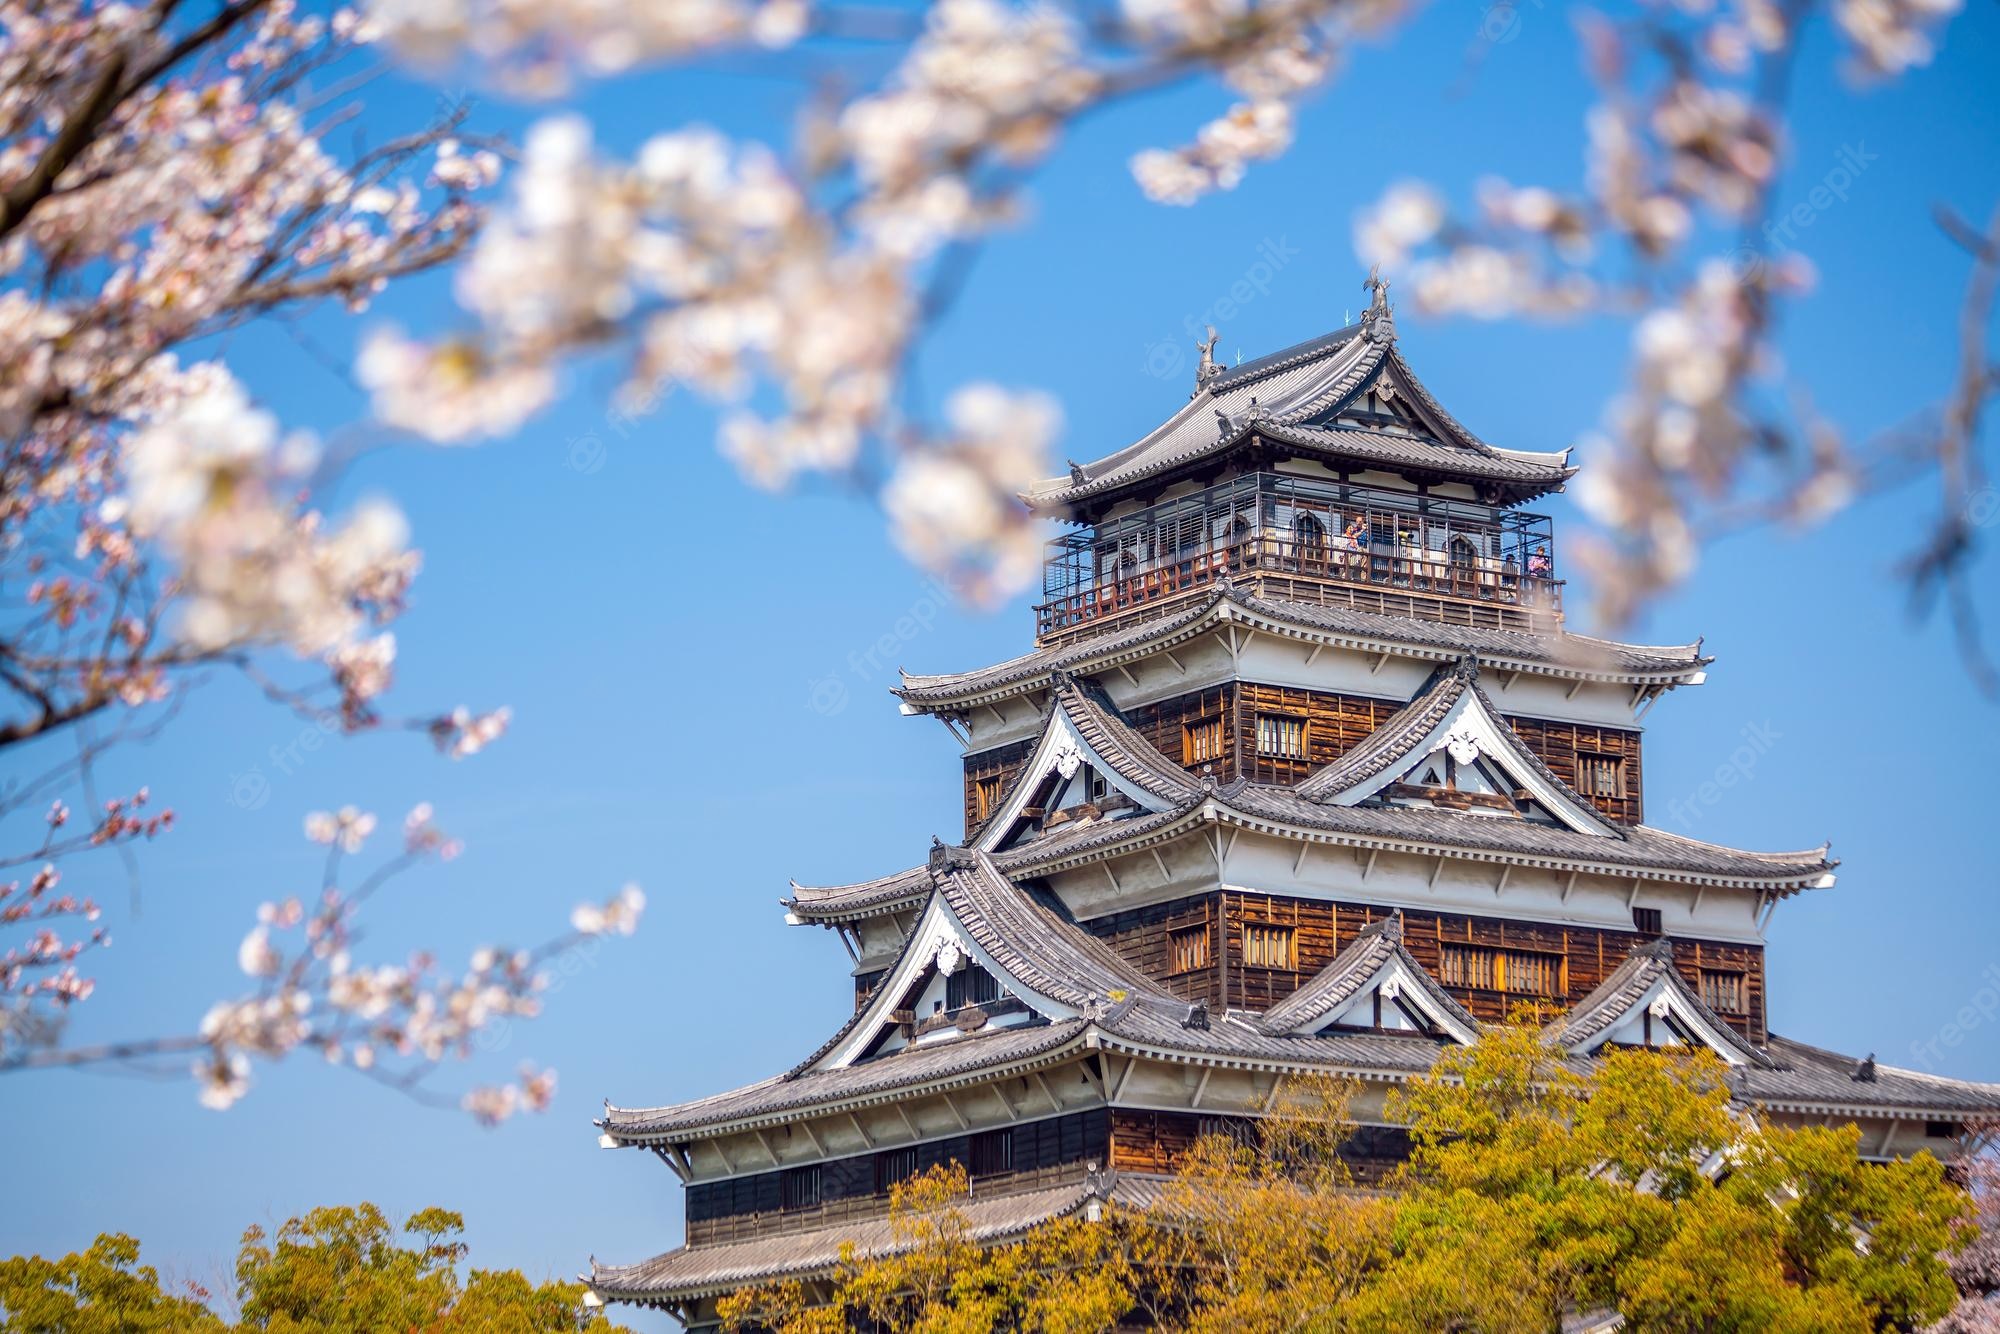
column 985, row 954
column 1450, row 748
column 1086, row 765
column 1646, row 1003
column 1375, row 985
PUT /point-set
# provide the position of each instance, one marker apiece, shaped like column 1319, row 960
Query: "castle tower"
column 1304, row 772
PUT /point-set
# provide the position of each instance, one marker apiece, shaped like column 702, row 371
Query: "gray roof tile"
column 1280, row 395
column 1560, row 654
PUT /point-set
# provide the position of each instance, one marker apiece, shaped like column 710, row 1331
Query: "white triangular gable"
column 1665, row 1017
column 1406, row 1005
column 1474, row 739
column 939, row 945
column 1064, row 753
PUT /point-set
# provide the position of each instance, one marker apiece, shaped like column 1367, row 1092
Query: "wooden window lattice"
column 1517, row 972
column 1281, row 735
column 992, row 1153
column 1187, row 949
column 1201, row 741
column 986, row 795
column 1268, row 946
column 1723, row 992
column 1600, row 775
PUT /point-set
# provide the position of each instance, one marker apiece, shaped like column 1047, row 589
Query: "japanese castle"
column 1304, row 773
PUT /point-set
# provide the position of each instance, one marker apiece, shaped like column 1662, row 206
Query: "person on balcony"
column 1538, row 564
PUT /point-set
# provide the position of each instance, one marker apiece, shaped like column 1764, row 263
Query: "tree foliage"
column 1534, row 1191
column 338, row 1270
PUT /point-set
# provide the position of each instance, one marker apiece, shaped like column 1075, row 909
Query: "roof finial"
column 1378, row 322
column 1207, row 370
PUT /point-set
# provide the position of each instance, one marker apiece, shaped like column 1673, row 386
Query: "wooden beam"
column 1369, row 868
column 1055, row 1103
column 1574, row 686
column 1436, row 870
column 1112, row 876
column 1201, row 1087
column 998, row 716
column 1300, row 860
column 764, row 1142
column 1161, row 862
column 1380, row 659
column 1633, row 897
column 1313, row 656
column 1123, row 1075
column 1126, row 672
column 1179, row 666
column 1500, row 885
column 723, row 1154
column 860, row 1130
column 908, row 1124
column 806, row 1126
column 1568, row 885
column 951, row 1105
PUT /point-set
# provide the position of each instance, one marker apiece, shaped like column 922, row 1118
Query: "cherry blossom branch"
column 395, row 1024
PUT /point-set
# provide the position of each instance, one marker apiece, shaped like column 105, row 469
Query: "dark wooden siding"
column 1154, row 1142
column 1321, row 930
column 1141, row 935
column 749, row 1205
column 1558, row 744
column 1163, row 724
column 1335, row 724
column 1002, row 762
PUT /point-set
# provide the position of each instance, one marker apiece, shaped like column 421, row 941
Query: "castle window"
column 1281, row 735
column 1723, row 992
column 1942, row 1129
column 1600, row 775
column 798, row 1188
column 1647, row 920
column 970, row 985
column 1235, row 1129
column 894, row 1166
column 992, row 1153
column 1517, row 972
column 1187, row 949
column 1201, row 741
column 1267, row 946
column 986, row 794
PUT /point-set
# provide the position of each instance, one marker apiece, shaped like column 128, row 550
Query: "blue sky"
column 701, row 705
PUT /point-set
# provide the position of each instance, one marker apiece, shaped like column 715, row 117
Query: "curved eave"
column 1174, row 630
column 688, row 1132
column 1113, row 838
column 1786, row 883
column 1524, row 475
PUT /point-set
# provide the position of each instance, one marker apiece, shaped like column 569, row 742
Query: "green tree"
column 104, row 1290
column 339, row 1270
column 1535, row 1189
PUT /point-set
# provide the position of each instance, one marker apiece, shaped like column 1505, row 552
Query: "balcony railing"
column 1431, row 557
